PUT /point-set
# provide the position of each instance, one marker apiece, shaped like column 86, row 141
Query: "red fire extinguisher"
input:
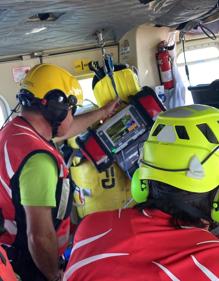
column 165, row 66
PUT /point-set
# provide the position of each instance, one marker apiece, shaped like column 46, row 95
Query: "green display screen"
column 121, row 128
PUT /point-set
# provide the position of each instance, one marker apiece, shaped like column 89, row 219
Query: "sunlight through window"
column 4, row 110
column 203, row 68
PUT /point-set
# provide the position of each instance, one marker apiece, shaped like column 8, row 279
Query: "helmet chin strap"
column 55, row 130
column 55, row 125
column 54, row 113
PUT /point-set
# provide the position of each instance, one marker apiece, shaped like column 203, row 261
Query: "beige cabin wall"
column 138, row 48
column 67, row 60
column 147, row 38
column 127, row 48
column 9, row 88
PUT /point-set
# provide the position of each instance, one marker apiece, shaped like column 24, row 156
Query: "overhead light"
column 36, row 30
column 45, row 17
column 145, row 1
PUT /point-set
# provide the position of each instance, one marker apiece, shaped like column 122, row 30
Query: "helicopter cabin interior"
column 73, row 33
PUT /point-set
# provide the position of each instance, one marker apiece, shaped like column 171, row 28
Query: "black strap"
column 2, row 228
column 2, row 258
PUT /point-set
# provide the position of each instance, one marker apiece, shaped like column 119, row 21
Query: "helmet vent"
column 208, row 133
column 157, row 130
column 181, row 132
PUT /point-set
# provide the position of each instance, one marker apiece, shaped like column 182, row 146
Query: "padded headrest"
column 126, row 85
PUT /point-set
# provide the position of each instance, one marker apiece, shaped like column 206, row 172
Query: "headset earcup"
column 139, row 187
column 215, row 212
column 55, row 111
column 25, row 98
column 215, row 206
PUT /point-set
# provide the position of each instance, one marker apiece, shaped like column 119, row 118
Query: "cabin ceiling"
column 72, row 24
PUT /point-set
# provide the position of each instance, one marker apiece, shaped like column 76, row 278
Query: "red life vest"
column 19, row 141
column 6, row 271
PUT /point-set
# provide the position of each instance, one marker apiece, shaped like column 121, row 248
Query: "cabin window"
column 4, row 110
column 203, row 67
column 89, row 102
column 86, row 85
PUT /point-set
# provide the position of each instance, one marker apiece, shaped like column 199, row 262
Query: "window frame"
column 5, row 109
column 191, row 45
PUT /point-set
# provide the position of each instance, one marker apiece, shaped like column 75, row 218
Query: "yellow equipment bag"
column 126, row 82
column 108, row 190
column 96, row 191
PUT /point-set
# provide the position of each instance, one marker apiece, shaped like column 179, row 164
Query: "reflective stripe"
column 24, row 127
column 26, row 135
column 166, row 270
column 120, row 211
column 89, row 260
column 61, row 174
column 7, row 162
column 11, row 227
column 210, row 241
column 89, row 240
column 186, row 227
column 38, row 136
column 211, row 276
column 63, row 203
column 6, row 187
column 146, row 214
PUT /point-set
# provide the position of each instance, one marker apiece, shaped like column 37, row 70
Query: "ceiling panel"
column 79, row 19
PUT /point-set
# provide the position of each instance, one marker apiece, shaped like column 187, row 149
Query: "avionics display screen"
column 121, row 128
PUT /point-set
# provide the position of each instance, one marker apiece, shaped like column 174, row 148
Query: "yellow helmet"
column 43, row 78
column 182, row 150
column 51, row 90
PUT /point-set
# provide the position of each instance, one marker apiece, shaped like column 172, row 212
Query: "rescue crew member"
column 35, row 198
column 166, row 236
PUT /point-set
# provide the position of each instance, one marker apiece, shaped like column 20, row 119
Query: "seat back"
column 206, row 93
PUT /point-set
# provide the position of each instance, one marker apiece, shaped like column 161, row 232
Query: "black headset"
column 54, row 106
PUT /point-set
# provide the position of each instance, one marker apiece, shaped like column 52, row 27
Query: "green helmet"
column 182, row 150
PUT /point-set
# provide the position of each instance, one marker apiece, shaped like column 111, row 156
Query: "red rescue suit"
column 19, row 141
column 131, row 245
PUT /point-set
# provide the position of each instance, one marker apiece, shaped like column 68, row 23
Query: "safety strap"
column 3, row 260
column 2, row 228
column 108, row 66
